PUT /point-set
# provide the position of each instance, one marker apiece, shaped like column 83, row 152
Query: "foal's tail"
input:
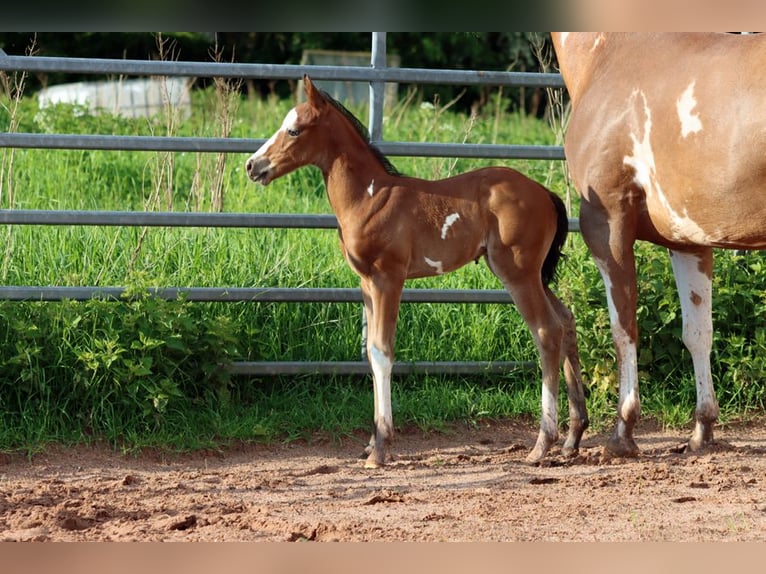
column 554, row 253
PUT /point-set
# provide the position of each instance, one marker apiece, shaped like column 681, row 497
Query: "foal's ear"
column 313, row 95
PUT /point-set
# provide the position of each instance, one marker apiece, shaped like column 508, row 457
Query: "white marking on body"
column 371, row 188
column 448, row 223
column 550, row 409
column 695, row 293
column 626, row 350
column 643, row 164
column 381, row 371
column 597, row 41
column 437, row 265
column 287, row 123
column 690, row 121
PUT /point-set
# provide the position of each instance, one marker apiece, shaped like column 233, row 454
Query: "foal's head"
column 305, row 137
column 296, row 143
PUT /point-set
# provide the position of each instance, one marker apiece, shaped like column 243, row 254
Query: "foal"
column 394, row 228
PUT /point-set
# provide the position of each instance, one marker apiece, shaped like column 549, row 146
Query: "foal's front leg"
column 381, row 301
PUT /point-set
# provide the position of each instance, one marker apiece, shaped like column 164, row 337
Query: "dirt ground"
column 468, row 484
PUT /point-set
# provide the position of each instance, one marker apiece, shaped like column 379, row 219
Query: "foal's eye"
column 293, row 132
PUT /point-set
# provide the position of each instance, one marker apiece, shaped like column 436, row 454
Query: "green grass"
column 145, row 373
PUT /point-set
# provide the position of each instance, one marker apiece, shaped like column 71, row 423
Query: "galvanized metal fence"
column 377, row 74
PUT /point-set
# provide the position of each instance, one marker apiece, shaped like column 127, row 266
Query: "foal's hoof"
column 569, row 451
column 620, row 447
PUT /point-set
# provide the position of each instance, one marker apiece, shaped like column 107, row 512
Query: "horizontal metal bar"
column 246, row 145
column 167, row 219
column 276, row 71
column 275, row 368
column 251, row 294
column 467, row 150
column 178, row 219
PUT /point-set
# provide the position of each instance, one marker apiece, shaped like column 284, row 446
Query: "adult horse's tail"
column 554, row 253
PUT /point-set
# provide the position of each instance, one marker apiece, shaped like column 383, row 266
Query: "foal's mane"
column 363, row 133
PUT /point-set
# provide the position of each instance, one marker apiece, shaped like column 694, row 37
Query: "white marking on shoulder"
column 437, row 265
column 451, row 219
column 371, row 188
column 690, row 121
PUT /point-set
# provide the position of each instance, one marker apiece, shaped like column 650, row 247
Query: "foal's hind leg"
column 578, row 414
column 547, row 332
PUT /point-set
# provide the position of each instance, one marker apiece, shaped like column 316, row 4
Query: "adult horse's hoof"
column 376, row 459
column 542, row 446
column 702, row 437
column 620, row 447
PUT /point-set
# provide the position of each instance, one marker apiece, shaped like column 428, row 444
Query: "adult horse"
column 665, row 144
column 394, row 227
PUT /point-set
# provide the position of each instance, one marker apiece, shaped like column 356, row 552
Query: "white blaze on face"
column 287, row 124
column 437, row 265
column 690, row 121
column 643, row 163
column 448, row 223
column 371, row 188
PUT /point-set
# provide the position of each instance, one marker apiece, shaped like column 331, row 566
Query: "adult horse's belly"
column 733, row 220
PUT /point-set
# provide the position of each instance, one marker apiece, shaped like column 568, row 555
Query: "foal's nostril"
column 249, row 166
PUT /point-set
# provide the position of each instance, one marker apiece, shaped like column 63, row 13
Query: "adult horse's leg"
column 578, row 414
column 611, row 244
column 382, row 296
column 693, row 273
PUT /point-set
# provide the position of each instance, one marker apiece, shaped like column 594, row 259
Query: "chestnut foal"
column 394, row 228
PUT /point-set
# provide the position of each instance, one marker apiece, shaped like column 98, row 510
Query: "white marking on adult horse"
column 452, row 218
column 695, row 294
column 643, row 164
column 690, row 121
column 371, row 188
column 437, row 265
column 626, row 348
column 642, row 160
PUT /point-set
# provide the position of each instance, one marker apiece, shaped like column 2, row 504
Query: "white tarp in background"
column 129, row 98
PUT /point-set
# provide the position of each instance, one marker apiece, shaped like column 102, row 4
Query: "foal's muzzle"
column 258, row 169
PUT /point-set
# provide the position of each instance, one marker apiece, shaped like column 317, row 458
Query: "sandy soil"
column 468, row 484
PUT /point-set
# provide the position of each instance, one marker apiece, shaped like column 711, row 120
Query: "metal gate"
column 377, row 74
